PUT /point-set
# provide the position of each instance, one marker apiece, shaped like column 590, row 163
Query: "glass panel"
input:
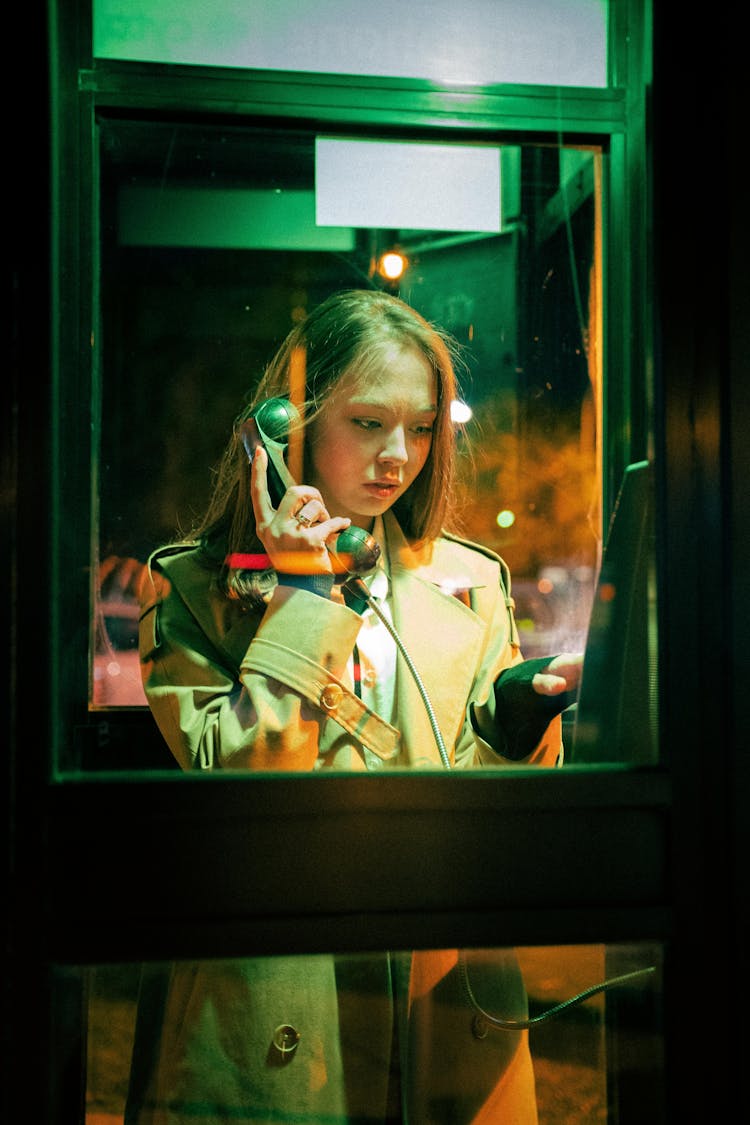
column 211, row 254
column 616, row 714
column 555, row 1034
column 539, row 42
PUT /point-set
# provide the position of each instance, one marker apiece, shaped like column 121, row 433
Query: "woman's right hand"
column 294, row 534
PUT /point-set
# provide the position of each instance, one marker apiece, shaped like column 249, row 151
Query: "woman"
column 260, row 652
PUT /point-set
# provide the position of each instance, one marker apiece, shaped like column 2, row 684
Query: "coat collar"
column 445, row 563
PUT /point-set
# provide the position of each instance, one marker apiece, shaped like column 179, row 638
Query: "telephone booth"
column 554, row 184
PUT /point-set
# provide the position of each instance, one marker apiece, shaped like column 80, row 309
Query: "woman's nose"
column 394, row 447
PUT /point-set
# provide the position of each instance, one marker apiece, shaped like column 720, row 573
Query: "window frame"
column 610, row 118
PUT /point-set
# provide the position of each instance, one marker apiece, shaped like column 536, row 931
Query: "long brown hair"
column 349, row 330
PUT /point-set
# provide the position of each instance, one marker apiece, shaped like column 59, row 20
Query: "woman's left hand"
column 295, row 534
column 561, row 674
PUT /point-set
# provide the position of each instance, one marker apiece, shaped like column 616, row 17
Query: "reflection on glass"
column 547, row 1034
column 190, row 321
column 211, row 254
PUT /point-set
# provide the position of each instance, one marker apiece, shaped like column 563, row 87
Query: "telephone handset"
column 354, row 552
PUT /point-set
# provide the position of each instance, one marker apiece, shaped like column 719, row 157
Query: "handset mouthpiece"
column 354, row 552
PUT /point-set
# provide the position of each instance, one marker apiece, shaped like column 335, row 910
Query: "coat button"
column 331, row 696
column 286, row 1038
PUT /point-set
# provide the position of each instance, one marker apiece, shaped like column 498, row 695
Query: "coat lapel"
column 443, row 637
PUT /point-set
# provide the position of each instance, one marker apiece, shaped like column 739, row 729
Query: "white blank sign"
column 401, row 185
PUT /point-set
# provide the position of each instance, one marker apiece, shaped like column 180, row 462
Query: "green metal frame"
column 459, row 819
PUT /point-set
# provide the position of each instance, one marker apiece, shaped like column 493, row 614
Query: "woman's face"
column 373, row 435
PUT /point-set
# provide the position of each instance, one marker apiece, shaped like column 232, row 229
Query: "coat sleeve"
column 484, row 737
column 291, row 686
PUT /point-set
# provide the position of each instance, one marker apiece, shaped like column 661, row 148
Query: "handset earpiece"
column 269, row 426
column 275, row 418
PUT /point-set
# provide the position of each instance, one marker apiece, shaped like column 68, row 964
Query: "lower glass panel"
column 539, row 1034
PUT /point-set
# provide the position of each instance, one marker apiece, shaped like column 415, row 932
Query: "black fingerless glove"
column 321, row 584
column 521, row 714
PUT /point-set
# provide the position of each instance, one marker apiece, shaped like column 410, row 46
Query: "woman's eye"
column 418, row 429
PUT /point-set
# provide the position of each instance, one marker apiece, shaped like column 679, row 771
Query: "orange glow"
column 392, row 265
column 297, row 375
column 307, row 562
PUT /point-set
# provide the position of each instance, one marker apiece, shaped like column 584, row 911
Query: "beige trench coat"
column 234, row 688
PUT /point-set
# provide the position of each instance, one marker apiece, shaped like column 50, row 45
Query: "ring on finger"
column 303, row 521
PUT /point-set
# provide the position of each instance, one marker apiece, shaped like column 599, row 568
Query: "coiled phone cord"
column 483, row 1020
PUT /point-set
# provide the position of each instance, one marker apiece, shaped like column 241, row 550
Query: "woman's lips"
column 382, row 489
